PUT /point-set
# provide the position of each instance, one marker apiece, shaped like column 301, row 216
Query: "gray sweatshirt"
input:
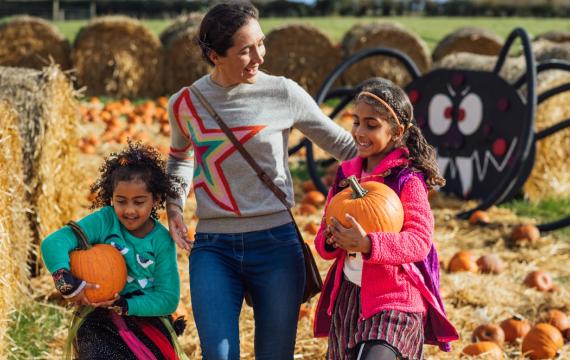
column 230, row 197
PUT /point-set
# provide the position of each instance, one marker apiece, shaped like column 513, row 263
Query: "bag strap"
column 254, row 165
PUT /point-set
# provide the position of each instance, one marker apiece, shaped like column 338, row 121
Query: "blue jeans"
column 269, row 265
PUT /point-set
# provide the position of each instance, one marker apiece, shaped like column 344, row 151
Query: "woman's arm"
column 310, row 120
column 180, row 163
column 162, row 298
column 413, row 243
column 181, row 156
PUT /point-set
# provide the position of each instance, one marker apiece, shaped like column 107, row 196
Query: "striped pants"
column 403, row 331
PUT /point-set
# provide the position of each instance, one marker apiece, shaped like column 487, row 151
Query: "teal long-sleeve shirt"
column 151, row 261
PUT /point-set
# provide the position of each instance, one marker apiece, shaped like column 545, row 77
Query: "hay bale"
column 389, row 35
column 547, row 50
column 555, row 36
column 32, row 42
column 301, row 52
column 512, row 69
column 14, row 235
column 551, row 172
column 48, row 113
column 468, row 39
column 118, row 56
column 183, row 62
column 180, row 23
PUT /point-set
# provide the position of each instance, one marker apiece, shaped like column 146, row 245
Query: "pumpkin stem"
column 357, row 190
column 83, row 241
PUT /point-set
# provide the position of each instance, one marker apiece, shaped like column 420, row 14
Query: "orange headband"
column 386, row 105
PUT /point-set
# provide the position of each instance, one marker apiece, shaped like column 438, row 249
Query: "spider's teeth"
column 465, row 167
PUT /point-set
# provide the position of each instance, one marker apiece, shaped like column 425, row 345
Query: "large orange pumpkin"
column 515, row 328
column 98, row 264
column 542, row 342
column 487, row 348
column 374, row 205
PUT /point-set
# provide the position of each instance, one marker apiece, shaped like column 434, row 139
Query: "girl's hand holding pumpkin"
column 80, row 298
column 108, row 303
column 353, row 239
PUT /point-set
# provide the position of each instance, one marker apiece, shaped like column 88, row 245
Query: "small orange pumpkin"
column 487, row 348
column 479, row 217
column 100, row 264
column 309, row 185
column 304, row 311
column 489, row 332
column 462, row 261
column 307, row 209
column 315, row 198
column 490, row 264
column 539, row 280
column 542, row 342
column 374, row 205
column 311, row 228
column 526, row 233
column 515, row 328
column 558, row 319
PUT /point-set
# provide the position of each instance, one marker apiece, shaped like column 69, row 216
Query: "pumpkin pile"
column 123, row 120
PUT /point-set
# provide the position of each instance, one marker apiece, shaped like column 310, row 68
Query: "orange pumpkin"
column 462, row 261
column 539, row 280
column 311, row 228
column 309, row 185
column 558, row 319
column 515, row 328
column 100, row 264
column 490, row 264
column 479, row 217
column 489, row 332
column 315, row 198
column 542, row 342
column 488, row 348
column 374, row 205
column 524, row 233
column 307, row 209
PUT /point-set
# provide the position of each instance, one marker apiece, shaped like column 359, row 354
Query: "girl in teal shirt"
column 132, row 186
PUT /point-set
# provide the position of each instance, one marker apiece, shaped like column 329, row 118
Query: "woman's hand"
column 176, row 226
column 353, row 239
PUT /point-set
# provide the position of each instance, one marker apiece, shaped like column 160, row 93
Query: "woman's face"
column 242, row 60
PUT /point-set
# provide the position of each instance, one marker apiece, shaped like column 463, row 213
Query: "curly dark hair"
column 140, row 162
column 422, row 154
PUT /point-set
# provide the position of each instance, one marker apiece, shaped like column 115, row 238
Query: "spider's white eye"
column 439, row 114
column 470, row 114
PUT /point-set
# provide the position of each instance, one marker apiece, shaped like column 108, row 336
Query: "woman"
column 245, row 238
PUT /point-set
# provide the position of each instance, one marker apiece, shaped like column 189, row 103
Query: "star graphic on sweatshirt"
column 211, row 148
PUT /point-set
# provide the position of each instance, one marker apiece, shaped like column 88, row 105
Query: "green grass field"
column 431, row 29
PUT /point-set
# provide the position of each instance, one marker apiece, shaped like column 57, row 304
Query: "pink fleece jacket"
column 385, row 284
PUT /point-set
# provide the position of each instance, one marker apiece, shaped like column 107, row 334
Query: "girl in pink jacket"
column 381, row 297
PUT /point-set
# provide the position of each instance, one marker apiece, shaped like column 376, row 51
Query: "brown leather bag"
column 313, row 283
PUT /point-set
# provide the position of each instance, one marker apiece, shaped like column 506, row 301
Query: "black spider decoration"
column 481, row 125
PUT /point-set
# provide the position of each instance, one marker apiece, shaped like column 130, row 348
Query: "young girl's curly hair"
column 422, row 154
column 136, row 162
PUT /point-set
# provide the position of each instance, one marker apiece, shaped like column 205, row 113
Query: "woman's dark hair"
column 221, row 23
column 136, row 162
column 422, row 154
